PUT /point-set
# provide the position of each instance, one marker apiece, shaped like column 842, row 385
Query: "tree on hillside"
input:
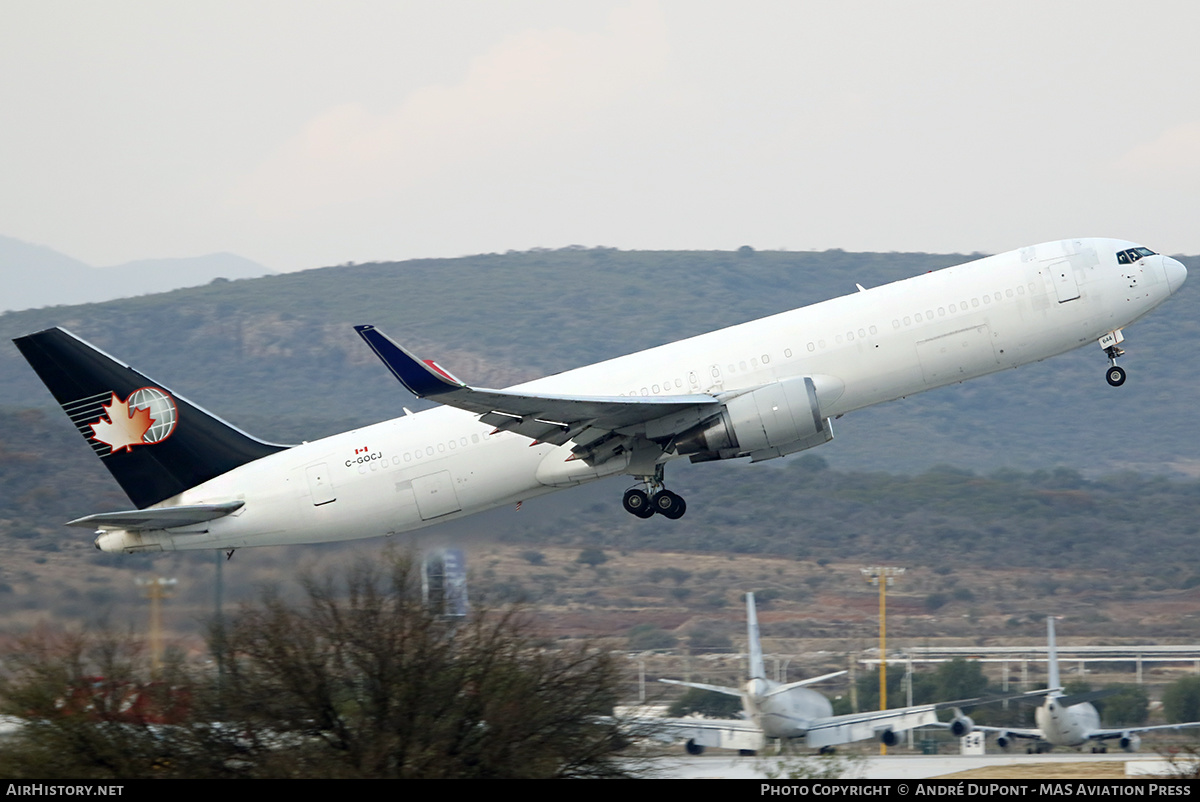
column 951, row 681
column 868, row 688
column 1129, row 706
column 958, row 679
column 361, row 680
column 82, row 705
column 1181, row 700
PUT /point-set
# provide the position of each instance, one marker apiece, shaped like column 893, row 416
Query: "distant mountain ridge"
column 33, row 276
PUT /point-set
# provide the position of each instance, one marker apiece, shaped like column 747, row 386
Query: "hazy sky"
column 302, row 134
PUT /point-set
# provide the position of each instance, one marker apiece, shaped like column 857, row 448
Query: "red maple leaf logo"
column 124, row 428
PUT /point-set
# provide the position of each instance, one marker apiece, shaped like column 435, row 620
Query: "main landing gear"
column 1115, row 376
column 654, row 499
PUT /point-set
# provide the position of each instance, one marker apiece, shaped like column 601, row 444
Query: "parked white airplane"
column 1065, row 720
column 761, row 390
column 771, row 710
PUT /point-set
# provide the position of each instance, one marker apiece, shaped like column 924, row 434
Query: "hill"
column 1017, row 494
column 278, row 356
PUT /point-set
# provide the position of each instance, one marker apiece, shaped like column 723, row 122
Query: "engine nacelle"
column 961, row 725
column 694, row 748
column 116, row 541
column 1005, row 741
column 1130, row 741
column 774, row 420
column 889, row 737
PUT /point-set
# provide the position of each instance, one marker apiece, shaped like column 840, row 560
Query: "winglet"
column 422, row 379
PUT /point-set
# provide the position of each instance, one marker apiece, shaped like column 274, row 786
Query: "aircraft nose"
column 1176, row 273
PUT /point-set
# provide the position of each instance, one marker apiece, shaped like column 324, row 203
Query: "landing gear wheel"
column 1115, row 375
column 637, row 503
column 669, row 505
column 680, row 510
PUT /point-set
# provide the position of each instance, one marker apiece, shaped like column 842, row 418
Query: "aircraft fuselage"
column 1066, row 726
column 783, row 714
column 861, row 349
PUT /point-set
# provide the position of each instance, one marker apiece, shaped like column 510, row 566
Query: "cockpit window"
column 1130, row 256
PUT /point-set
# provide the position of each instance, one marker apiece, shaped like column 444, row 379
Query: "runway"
column 902, row 767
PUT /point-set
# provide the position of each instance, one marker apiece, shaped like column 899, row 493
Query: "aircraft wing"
column 867, row 726
column 1016, row 732
column 1106, row 734
column 590, row 421
column 717, row 732
column 801, row 683
column 862, row 726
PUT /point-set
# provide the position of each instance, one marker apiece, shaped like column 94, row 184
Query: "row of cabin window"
column 429, row 451
column 654, row 389
column 849, row 336
column 917, row 317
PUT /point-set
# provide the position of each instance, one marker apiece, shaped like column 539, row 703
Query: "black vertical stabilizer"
column 156, row 444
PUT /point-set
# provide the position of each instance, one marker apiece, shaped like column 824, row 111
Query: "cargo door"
column 435, row 495
column 957, row 356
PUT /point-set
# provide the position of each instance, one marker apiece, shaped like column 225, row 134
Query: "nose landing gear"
column 1115, row 376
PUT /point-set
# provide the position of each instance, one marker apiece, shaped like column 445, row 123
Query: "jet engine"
column 767, row 422
column 1130, row 741
column 961, row 725
column 889, row 737
column 694, row 748
column 1005, row 741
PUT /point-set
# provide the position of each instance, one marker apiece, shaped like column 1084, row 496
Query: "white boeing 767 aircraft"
column 1064, row 720
column 760, row 389
column 792, row 711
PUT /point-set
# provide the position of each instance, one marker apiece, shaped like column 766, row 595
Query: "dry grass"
column 1082, row 770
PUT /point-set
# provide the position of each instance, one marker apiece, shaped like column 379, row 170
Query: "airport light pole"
column 156, row 590
column 882, row 576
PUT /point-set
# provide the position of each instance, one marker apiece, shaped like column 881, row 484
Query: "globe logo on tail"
column 146, row 417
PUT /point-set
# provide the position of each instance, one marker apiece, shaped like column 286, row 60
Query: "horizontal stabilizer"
column 1089, row 696
column 158, row 518
column 703, row 687
column 804, row 682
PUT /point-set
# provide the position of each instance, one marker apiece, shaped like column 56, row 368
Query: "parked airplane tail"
column 155, row 443
column 757, row 670
column 1055, row 683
